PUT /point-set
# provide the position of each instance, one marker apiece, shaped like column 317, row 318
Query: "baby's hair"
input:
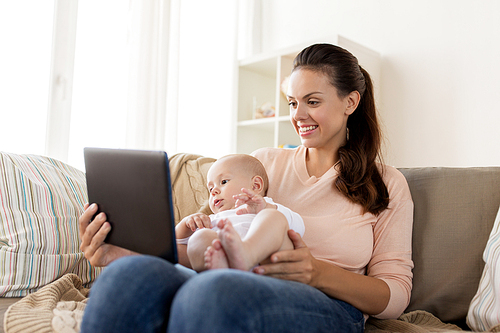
column 251, row 165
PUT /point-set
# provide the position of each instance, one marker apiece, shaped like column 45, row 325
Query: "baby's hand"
column 197, row 220
column 249, row 202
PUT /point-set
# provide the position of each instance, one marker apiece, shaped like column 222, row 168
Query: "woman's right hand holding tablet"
column 92, row 236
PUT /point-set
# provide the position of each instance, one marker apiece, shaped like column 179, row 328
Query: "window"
column 26, row 35
column 104, row 73
column 100, row 79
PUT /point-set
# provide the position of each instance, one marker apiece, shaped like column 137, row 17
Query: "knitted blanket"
column 412, row 322
column 58, row 307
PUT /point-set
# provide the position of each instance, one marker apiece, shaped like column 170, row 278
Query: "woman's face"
column 318, row 114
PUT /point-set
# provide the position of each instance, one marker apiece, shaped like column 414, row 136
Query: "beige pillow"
column 40, row 202
column 189, row 184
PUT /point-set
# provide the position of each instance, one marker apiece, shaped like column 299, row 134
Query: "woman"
column 354, row 260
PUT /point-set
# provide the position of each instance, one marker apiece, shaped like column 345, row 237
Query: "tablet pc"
column 133, row 188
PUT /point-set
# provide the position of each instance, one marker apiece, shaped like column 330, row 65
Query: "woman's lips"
column 305, row 130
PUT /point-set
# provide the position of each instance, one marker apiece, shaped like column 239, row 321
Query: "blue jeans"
column 139, row 294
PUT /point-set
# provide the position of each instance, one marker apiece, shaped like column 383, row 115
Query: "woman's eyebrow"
column 312, row 93
column 307, row 95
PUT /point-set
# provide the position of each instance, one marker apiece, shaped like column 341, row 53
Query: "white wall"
column 440, row 69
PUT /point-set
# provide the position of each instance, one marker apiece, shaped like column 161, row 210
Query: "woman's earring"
column 347, row 134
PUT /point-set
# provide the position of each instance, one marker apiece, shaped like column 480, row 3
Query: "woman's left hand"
column 295, row 265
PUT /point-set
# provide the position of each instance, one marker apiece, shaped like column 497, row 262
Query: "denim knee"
column 133, row 294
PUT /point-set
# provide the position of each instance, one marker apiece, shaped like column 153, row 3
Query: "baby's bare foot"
column 236, row 252
column 215, row 257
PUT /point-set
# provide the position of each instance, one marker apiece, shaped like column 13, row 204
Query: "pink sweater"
column 337, row 230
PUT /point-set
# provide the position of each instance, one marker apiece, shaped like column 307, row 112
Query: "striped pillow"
column 484, row 310
column 40, row 202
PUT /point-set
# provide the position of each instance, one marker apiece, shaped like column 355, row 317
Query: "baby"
column 246, row 227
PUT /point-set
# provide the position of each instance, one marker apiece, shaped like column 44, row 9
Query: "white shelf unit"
column 259, row 81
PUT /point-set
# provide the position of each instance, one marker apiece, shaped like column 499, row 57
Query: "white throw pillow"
column 484, row 310
column 40, row 202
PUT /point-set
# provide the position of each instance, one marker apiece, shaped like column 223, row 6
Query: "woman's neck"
column 319, row 161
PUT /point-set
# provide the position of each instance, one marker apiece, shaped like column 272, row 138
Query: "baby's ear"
column 257, row 184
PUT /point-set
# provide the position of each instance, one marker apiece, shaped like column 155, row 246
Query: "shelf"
column 253, row 122
column 284, row 118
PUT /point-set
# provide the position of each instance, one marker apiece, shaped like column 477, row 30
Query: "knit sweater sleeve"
column 391, row 259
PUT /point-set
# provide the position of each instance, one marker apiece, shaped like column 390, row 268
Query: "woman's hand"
column 369, row 295
column 92, row 236
column 295, row 265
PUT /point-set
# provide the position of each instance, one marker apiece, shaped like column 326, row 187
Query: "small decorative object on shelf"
column 266, row 110
column 287, row 146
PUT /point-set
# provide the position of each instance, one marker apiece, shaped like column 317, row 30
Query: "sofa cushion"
column 188, row 173
column 40, row 202
column 454, row 212
column 484, row 309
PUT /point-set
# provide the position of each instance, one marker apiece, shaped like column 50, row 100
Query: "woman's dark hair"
column 359, row 176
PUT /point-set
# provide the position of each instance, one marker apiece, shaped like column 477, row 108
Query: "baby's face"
column 225, row 179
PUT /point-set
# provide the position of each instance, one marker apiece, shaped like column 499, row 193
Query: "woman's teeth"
column 308, row 128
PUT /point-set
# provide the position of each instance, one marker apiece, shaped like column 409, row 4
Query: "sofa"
column 455, row 209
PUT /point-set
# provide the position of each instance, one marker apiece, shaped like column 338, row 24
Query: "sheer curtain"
column 156, row 74
column 207, row 83
column 26, row 35
column 120, row 77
